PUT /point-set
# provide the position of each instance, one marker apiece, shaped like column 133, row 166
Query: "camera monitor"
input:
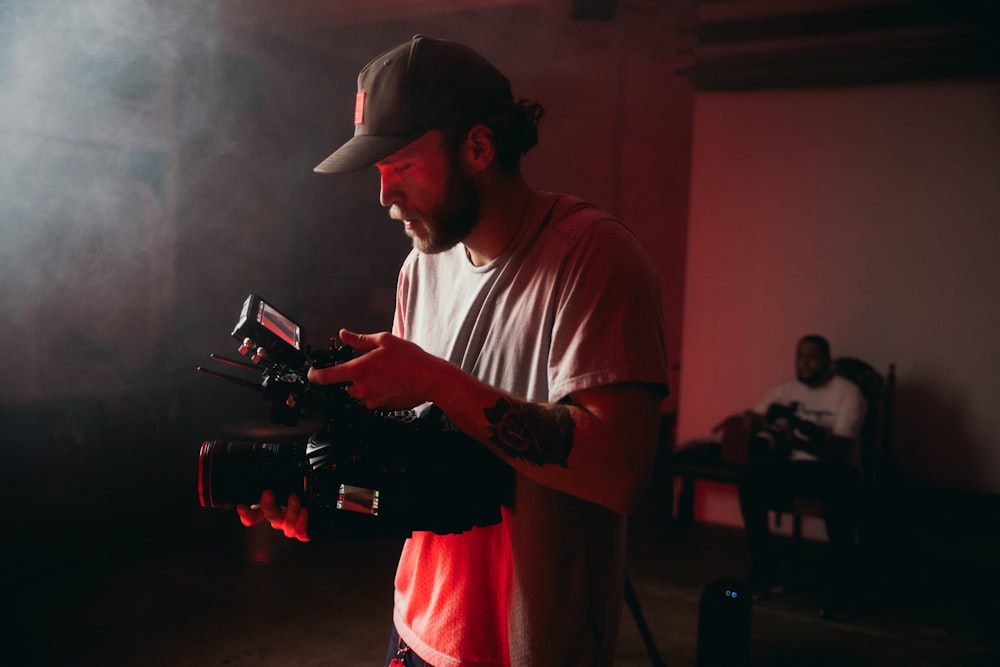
column 265, row 327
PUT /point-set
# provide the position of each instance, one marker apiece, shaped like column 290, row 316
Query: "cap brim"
column 362, row 151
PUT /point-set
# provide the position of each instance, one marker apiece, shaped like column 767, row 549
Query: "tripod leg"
column 633, row 604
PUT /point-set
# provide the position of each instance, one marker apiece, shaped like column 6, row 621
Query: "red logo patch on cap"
column 359, row 108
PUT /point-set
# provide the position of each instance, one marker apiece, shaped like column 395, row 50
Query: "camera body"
column 778, row 412
column 364, row 473
column 785, row 430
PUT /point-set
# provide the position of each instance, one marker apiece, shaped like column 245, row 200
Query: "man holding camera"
column 533, row 321
column 803, row 442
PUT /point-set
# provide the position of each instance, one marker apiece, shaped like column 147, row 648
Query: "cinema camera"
column 364, row 473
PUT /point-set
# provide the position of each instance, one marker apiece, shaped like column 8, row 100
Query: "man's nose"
column 388, row 192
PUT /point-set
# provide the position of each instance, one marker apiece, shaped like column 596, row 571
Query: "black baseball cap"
column 420, row 85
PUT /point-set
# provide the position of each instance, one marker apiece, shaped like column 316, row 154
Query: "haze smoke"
column 85, row 259
column 156, row 168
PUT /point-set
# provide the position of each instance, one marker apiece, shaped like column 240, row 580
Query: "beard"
column 814, row 378
column 454, row 218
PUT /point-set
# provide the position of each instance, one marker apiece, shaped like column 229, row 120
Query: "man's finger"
column 329, row 375
column 248, row 515
column 302, row 525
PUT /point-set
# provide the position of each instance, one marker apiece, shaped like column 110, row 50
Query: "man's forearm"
column 826, row 447
column 599, row 447
column 538, row 434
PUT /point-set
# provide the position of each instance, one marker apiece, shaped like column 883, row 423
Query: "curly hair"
column 515, row 132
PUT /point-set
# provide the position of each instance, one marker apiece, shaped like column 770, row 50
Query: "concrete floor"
column 208, row 592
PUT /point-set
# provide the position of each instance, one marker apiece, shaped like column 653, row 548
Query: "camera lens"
column 236, row 473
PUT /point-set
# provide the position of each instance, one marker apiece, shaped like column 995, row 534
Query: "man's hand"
column 811, row 433
column 390, row 373
column 292, row 520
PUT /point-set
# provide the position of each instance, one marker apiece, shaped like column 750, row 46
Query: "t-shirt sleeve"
column 850, row 412
column 608, row 325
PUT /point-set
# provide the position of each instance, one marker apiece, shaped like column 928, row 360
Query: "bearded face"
column 434, row 198
column 812, row 365
column 454, row 218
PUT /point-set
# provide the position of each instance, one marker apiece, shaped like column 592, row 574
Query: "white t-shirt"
column 838, row 407
column 573, row 303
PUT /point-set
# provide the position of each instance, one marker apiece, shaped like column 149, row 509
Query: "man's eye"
column 394, row 168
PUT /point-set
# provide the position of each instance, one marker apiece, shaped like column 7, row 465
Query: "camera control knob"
column 258, row 355
column 245, row 346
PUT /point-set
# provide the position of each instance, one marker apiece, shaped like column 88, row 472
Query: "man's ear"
column 478, row 148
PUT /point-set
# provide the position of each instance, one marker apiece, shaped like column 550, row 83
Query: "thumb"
column 360, row 342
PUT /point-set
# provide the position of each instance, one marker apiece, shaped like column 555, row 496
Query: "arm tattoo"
column 531, row 432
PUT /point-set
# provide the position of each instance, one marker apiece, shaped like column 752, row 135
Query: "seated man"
column 803, row 442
